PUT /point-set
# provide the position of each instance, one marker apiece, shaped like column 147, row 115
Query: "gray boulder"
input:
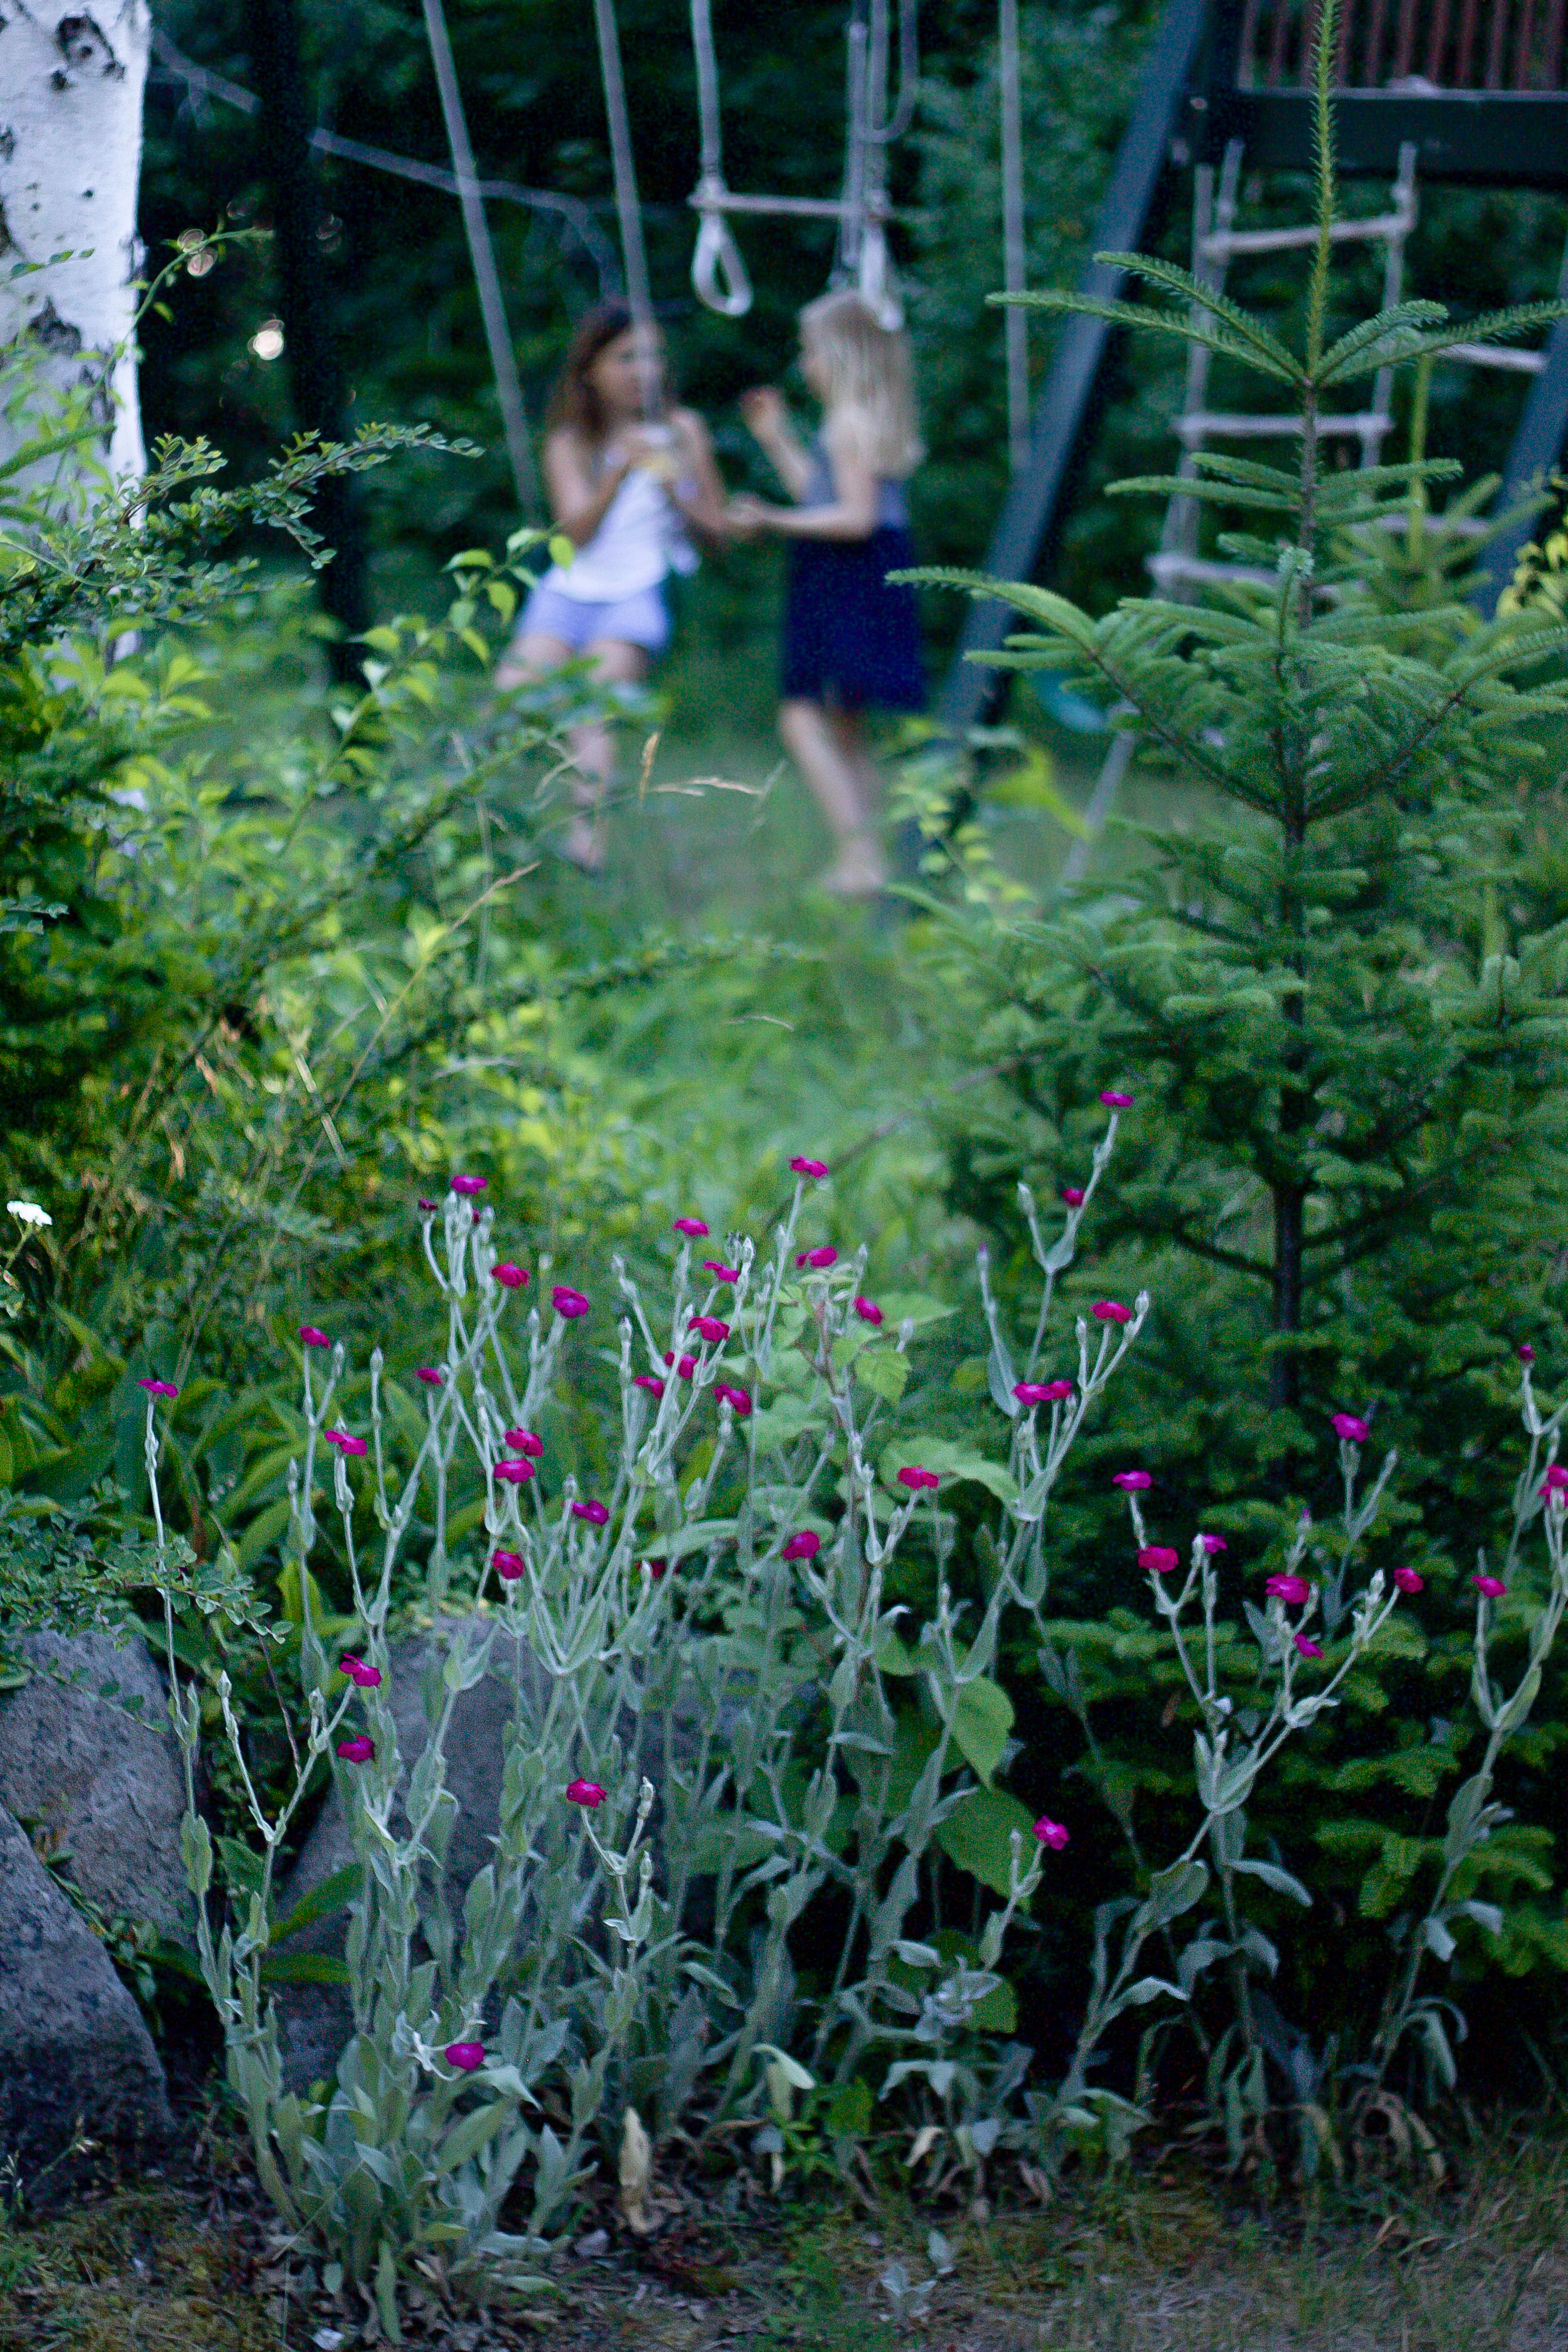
column 314, row 2021
column 110, row 1784
column 75, row 2057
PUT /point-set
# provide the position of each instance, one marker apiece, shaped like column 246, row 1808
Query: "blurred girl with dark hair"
column 629, row 480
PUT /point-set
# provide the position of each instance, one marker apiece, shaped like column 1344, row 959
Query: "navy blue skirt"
column 849, row 637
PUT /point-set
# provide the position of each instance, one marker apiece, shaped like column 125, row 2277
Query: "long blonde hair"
column 870, row 384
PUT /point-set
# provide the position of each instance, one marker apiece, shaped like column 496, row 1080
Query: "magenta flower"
column 917, row 1480
column 1159, row 1560
column 585, row 1792
column 1492, row 1586
column 594, row 1513
column 685, row 1366
column 431, row 1377
column 1212, row 1544
column 364, row 1677
column 1292, row 1590
column 824, row 1255
column 508, row 1565
column 1307, row 1646
column 1555, row 1480
column 568, row 1303
column 312, row 1337
column 1074, row 1195
column 1054, row 1834
column 1110, row 1310
column 709, row 1327
column 648, row 1380
column 868, row 1311
column 809, row 1167
column 514, row 1474
column 719, row 1272
column 1033, row 1392
column 738, row 1400
column 692, row 1227
column 1133, row 1482
column 1527, row 1353
column 1350, row 1428
column 469, row 1184
column 467, row 2057
column 159, row 1388
column 509, row 1276
column 1114, row 1101
column 1408, row 1580
column 523, row 1441
column 804, row 1546
column 656, row 1568
column 429, row 1207
column 357, row 1751
column 346, row 1444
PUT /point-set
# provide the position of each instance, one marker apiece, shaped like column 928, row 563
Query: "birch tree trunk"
column 70, row 158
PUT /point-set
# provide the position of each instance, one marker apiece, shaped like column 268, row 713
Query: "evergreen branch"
column 1324, row 165
column 1183, row 486
column 1134, row 314
column 1490, row 327
column 1397, row 321
column 1266, row 346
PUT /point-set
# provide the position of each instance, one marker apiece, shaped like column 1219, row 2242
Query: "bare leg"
column 837, row 778
column 592, row 747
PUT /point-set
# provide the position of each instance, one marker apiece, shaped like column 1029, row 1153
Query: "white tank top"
column 639, row 540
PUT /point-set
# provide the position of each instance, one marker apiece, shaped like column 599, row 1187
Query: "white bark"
column 71, row 82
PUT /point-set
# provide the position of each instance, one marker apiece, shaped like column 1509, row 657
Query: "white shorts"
column 640, row 620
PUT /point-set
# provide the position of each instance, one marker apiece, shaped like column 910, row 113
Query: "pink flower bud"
column 738, row 1400
column 1034, row 1392
column 1110, row 1310
column 1054, row 1834
column 159, row 1388
column 1159, row 1560
column 509, row 1276
column 594, row 1513
column 1408, row 1580
column 809, row 1167
column 467, row 2057
column 692, row 1227
column 656, row 1568
column 648, row 1380
column 1350, row 1428
column 585, row 1792
column 357, row 1751
column 825, row 1256
column 1292, row 1590
column 1114, row 1101
column 346, row 1444
column 1527, row 1353
column 469, row 1184
column 918, row 1480
column 804, row 1546
column 508, row 1565
column 568, row 1303
column 709, row 1327
column 1074, row 1195
column 1133, row 1482
column 1492, row 1586
column 523, row 1441
column 868, row 1311
column 1555, row 1480
column 429, row 1207
column 719, row 1272
column 431, row 1377
column 312, row 1337
column 514, row 1474
column 685, row 1366
column 1307, row 1646
column 1212, row 1544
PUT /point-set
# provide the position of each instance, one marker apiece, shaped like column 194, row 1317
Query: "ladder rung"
column 1367, row 422
column 1440, row 525
column 1165, row 568
column 1289, row 240
column 1493, row 355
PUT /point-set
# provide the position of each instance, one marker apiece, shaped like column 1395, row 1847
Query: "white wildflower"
column 29, row 1212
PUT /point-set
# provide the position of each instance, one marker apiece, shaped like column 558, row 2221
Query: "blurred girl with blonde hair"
column 851, row 638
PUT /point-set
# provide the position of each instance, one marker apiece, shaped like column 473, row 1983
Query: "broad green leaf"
column 977, row 1836
column 981, row 1724
column 884, row 1371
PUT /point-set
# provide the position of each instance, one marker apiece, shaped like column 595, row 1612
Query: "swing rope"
column 1013, row 256
column 628, row 210
column 481, row 253
column 718, row 273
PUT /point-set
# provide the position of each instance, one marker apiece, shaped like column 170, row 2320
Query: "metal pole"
column 1013, row 264
column 481, row 253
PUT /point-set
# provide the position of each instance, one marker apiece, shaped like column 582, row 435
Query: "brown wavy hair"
column 573, row 403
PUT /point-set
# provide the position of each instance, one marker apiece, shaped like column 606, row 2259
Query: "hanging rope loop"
column 719, row 275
